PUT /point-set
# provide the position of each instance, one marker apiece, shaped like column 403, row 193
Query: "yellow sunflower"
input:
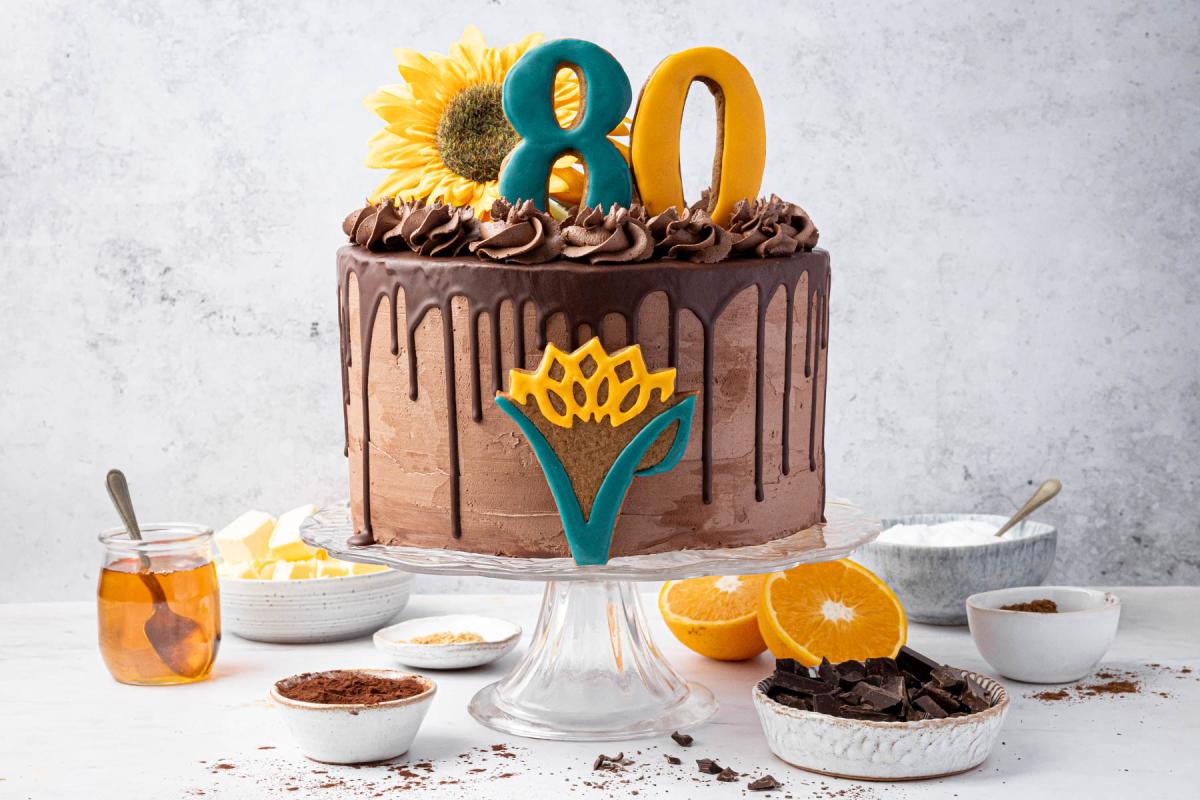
column 446, row 133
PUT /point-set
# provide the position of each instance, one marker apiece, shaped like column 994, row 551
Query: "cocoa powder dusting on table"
column 348, row 687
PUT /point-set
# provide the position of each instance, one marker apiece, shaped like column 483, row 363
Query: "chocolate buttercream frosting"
column 692, row 236
column 519, row 234
column 614, row 238
column 377, row 226
column 440, row 229
column 762, row 229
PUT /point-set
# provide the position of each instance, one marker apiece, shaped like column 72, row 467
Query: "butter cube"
column 246, row 538
column 332, row 568
column 285, row 542
column 264, row 568
column 294, row 570
column 237, row 569
column 357, row 568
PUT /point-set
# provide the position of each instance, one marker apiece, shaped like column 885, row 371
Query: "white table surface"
column 68, row 730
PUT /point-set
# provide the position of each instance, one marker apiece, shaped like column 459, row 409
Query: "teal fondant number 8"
column 529, row 106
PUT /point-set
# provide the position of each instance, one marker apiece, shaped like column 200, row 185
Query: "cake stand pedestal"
column 592, row 671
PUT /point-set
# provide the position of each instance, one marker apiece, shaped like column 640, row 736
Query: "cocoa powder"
column 348, row 687
column 1036, row 606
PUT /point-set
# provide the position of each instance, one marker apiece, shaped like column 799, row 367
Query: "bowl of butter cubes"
column 277, row 588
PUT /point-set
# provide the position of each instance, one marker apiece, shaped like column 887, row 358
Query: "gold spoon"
column 1042, row 495
column 174, row 638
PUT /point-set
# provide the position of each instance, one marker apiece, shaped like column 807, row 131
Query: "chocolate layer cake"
column 427, row 341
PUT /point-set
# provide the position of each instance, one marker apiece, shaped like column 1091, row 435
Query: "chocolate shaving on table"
column 673, row 759
column 520, row 234
column 613, row 238
column 692, row 236
column 764, row 784
column 682, row 739
column 440, row 229
column 709, row 766
column 727, row 775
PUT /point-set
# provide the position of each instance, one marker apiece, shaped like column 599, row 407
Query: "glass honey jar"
column 158, row 605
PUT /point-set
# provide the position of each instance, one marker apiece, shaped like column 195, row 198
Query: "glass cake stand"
column 592, row 671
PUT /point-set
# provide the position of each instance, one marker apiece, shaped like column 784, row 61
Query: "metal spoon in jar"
column 1044, row 494
column 172, row 636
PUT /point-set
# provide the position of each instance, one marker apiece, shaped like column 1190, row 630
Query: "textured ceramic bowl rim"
column 430, row 691
column 1106, row 601
column 450, row 647
column 1046, row 531
column 326, row 581
column 990, row 684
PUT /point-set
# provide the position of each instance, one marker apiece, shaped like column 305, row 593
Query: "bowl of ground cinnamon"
column 1043, row 634
column 354, row 716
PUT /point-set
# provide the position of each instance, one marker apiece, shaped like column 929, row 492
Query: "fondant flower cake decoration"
column 596, row 421
column 446, row 133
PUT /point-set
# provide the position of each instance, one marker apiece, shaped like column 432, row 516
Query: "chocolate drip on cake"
column 584, row 295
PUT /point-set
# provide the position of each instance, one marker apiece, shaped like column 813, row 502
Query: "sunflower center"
column 473, row 135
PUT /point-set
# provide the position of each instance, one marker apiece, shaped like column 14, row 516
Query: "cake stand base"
column 592, row 673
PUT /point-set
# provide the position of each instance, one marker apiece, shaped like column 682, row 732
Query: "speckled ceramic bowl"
column 882, row 751
column 318, row 610
column 934, row 583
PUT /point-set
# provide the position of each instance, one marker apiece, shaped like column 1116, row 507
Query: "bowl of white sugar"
column 935, row 561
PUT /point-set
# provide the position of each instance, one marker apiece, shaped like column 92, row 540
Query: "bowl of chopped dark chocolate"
column 354, row 716
column 881, row 719
column 1043, row 634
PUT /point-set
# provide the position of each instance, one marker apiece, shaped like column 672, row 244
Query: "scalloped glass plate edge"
column 846, row 528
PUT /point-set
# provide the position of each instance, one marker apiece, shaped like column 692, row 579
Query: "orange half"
column 838, row 610
column 715, row 616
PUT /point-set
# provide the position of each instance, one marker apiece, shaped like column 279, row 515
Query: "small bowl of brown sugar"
column 354, row 716
column 1043, row 634
column 452, row 641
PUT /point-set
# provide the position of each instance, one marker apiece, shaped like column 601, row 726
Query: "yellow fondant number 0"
column 741, row 132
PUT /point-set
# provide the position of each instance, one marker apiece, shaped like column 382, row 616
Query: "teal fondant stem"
column 590, row 538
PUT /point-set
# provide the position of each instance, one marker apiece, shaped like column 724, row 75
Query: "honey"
column 159, row 624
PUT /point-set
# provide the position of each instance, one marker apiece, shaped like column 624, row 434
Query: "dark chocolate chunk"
column 792, row 701
column 827, row 673
column 975, row 703
column 673, row 760
column 876, row 698
column 947, row 678
column 940, row 696
column 850, row 673
column 790, row 665
column 850, row 712
column 709, row 767
column 930, row 707
column 827, row 704
column 883, row 667
column 911, row 661
column 764, row 784
column 727, row 775
column 801, row 684
column 682, row 739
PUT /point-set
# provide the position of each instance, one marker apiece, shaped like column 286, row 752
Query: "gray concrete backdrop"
column 1011, row 194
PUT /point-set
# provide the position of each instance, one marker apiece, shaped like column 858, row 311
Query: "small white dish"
column 356, row 733
column 882, row 751
column 317, row 610
column 1044, row 648
column 499, row 638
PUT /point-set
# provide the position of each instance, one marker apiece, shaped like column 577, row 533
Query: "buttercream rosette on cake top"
column 546, row 350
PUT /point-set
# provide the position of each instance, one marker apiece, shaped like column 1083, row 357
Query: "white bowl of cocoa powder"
column 354, row 716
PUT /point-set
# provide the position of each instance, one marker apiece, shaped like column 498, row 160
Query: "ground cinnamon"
column 1036, row 606
column 346, row 686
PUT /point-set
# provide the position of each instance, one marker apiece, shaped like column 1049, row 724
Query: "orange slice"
column 838, row 610
column 715, row 616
